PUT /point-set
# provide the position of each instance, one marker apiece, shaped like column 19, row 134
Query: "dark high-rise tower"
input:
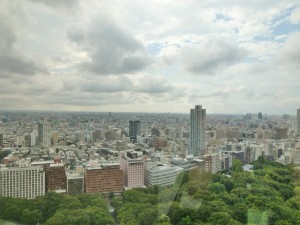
column 259, row 115
column 197, row 132
column 134, row 130
column 1, row 140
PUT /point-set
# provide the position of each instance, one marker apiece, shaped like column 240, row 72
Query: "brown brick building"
column 56, row 177
column 105, row 178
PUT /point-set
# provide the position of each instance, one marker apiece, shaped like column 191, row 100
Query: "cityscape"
column 83, row 152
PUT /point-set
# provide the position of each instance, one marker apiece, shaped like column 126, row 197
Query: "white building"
column 162, row 175
column 22, row 182
column 132, row 164
column 197, row 130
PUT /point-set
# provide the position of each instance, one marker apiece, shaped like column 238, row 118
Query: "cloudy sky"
column 150, row 56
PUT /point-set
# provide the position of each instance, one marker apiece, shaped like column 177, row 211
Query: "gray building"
column 134, row 130
column 1, row 140
column 197, row 130
column 44, row 134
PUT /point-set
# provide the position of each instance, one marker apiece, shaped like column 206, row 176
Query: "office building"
column 56, row 176
column 197, row 130
column 22, row 182
column 44, row 134
column 75, row 183
column 280, row 133
column 213, row 163
column 162, row 175
column 132, row 164
column 298, row 120
column 104, row 178
column 134, row 130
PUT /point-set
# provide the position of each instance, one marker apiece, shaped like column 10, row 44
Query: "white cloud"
column 145, row 54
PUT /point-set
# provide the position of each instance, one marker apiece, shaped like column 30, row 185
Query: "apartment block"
column 22, row 182
column 104, row 178
column 56, row 178
column 132, row 164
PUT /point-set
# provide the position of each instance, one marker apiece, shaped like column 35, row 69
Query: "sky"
column 231, row 57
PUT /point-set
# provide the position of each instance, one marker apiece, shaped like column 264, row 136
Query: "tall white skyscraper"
column 197, row 132
column 44, row 134
column 298, row 120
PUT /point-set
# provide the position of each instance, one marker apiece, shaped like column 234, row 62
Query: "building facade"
column 56, row 178
column 22, row 182
column 132, row 164
column 197, row 130
column 134, row 130
column 75, row 183
column 44, row 135
column 105, row 178
column 158, row 174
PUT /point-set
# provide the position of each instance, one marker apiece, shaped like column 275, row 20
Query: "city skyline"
column 114, row 56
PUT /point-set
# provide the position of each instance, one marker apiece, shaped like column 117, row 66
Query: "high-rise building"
column 259, row 116
column 24, row 181
column 298, row 120
column 1, row 140
column 197, row 131
column 44, row 134
column 134, row 130
column 132, row 164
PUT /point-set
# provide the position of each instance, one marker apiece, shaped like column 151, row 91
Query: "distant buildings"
column 259, row 116
column 44, row 135
column 24, row 181
column 134, row 130
column 197, row 130
column 280, row 133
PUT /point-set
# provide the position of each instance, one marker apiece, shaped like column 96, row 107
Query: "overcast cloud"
column 167, row 56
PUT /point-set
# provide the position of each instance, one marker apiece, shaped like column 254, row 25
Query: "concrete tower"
column 44, row 134
column 197, row 132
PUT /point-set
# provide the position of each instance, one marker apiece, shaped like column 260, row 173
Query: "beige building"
column 132, row 164
column 22, row 182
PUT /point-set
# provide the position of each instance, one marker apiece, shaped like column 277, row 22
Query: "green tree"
column 240, row 212
column 220, row 218
column 31, row 217
column 70, row 202
column 237, row 166
column 67, row 217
